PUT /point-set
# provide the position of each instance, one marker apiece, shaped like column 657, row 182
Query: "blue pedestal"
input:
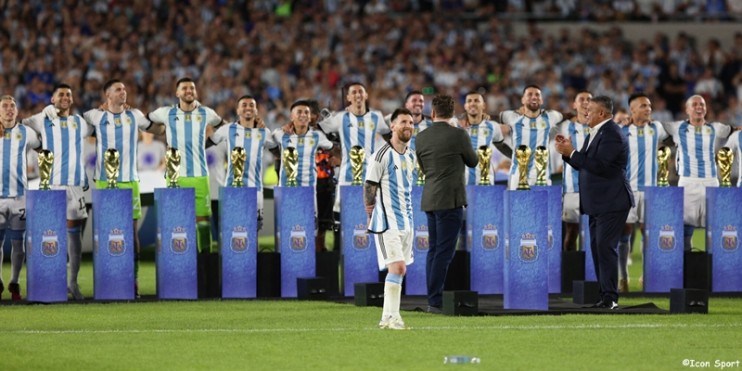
column 295, row 241
column 526, row 259
column 177, row 276
column 485, row 222
column 554, row 235
column 415, row 280
column 723, row 223
column 113, row 245
column 663, row 226
column 239, row 241
column 46, row 246
column 359, row 249
column 590, row 274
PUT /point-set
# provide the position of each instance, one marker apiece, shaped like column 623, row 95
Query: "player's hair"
column 247, row 96
column 60, row 86
column 7, row 97
column 301, row 102
column 182, row 80
column 400, row 111
column 534, row 86
column 443, row 106
column 411, row 93
column 110, row 83
column 637, row 96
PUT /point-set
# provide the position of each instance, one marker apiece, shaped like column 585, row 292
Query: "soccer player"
column 482, row 132
column 387, row 195
column 63, row 133
column 15, row 140
column 733, row 144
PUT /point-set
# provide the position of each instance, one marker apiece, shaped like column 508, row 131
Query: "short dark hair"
column 400, row 111
column 354, row 83
column 110, row 83
column 300, row 102
column 60, row 86
column 530, row 86
column 313, row 106
column 247, row 96
column 604, row 102
column 411, row 93
column 637, row 96
column 182, row 80
column 443, row 106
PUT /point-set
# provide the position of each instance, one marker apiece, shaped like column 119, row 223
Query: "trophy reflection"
column 46, row 159
column 542, row 163
column 522, row 156
column 111, row 159
column 357, row 157
column 291, row 166
column 172, row 168
column 420, row 175
column 663, row 172
column 238, row 157
column 724, row 160
column 484, row 154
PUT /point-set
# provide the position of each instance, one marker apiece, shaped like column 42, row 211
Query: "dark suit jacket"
column 443, row 151
column 603, row 184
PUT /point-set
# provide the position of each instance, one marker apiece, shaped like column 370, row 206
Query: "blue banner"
column 176, row 243
column 663, row 250
column 723, row 225
column 526, row 266
column 585, row 246
column 238, row 225
column 415, row 280
column 359, row 249
column 485, row 228
column 113, row 245
column 554, row 235
column 46, row 246
column 295, row 235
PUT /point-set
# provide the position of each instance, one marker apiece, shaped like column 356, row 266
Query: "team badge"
column 187, row 117
column 127, row 121
column 422, row 243
column 198, row 118
column 360, row 237
column 238, row 243
column 729, row 238
column 7, row 135
column 49, row 243
column 179, row 240
column 667, row 238
column 490, row 237
column 116, row 245
column 528, row 247
column 640, row 132
column 361, row 124
column 650, row 131
column 63, row 123
column 117, row 121
column 298, row 238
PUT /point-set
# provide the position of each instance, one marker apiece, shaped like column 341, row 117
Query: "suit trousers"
column 605, row 233
column 443, row 233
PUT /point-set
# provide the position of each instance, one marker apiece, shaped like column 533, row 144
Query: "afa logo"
column 528, row 248
column 490, row 237
column 549, row 238
column 179, row 240
column 360, row 237
column 49, row 243
column 422, row 241
column 667, row 238
column 298, row 238
column 729, row 240
column 116, row 244
column 238, row 243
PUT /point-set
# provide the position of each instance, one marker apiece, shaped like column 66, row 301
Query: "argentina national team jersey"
column 306, row 146
column 643, row 145
column 119, row 131
column 253, row 140
column 13, row 146
column 186, row 131
column 733, row 144
column 64, row 137
column 354, row 131
column 696, row 147
column 483, row 134
column 578, row 134
column 392, row 171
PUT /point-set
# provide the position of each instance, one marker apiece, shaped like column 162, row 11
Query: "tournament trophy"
column 542, row 162
column 291, row 166
column 238, row 166
column 111, row 158
column 522, row 155
column 172, row 170
column 420, row 175
column 484, row 153
column 724, row 160
column 357, row 156
column 46, row 159
column 663, row 156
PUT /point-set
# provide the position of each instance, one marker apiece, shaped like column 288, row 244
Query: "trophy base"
column 523, row 188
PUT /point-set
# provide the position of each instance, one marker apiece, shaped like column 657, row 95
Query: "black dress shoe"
column 598, row 304
column 433, row 310
column 609, row 305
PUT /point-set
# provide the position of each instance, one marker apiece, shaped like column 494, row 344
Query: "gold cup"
column 291, row 165
column 724, row 160
column 523, row 155
column 357, row 157
column 542, row 163
column 484, row 154
column 46, row 159
column 172, row 169
column 663, row 171
column 111, row 159
column 238, row 166
column 420, row 175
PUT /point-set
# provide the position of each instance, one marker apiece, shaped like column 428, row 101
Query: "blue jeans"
column 443, row 233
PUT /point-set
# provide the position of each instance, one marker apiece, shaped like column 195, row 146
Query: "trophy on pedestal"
column 724, row 160
column 663, row 156
column 522, row 155
column 420, row 175
column 291, row 166
column 111, row 158
column 46, row 159
column 542, row 163
column 484, row 153
column 238, row 157
column 172, row 169
column 357, row 157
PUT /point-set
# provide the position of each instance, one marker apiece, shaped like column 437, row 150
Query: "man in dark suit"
column 443, row 151
column 605, row 194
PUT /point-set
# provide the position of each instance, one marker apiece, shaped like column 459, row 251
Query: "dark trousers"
column 443, row 232
column 605, row 233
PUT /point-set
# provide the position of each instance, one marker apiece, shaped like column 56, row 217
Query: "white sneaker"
column 392, row 323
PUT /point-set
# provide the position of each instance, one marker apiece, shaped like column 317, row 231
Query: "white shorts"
column 13, row 213
column 75, row 202
column 636, row 214
column 571, row 208
column 393, row 246
column 694, row 199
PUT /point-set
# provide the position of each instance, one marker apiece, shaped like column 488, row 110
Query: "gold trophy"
column 172, row 169
column 663, row 156
column 46, row 159
column 357, row 156
column 542, row 163
column 238, row 166
column 484, row 153
column 724, row 160
column 523, row 155
column 420, row 175
column 111, row 159
column 291, row 165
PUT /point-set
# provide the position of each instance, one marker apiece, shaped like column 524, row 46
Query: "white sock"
column 74, row 248
column 392, row 294
column 16, row 260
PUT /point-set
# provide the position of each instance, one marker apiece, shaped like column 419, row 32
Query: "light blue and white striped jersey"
column 733, row 144
column 355, row 131
column 483, row 134
column 64, row 137
column 392, row 171
column 119, row 131
column 578, row 134
column 532, row 132
column 306, row 145
column 697, row 147
column 643, row 145
column 417, row 128
column 13, row 146
column 186, row 131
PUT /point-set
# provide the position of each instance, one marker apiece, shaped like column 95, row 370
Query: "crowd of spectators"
column 279, row 51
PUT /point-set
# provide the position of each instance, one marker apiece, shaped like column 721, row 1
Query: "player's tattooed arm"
column 369, row 196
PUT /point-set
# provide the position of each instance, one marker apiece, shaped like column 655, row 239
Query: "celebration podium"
column 723, row 223
column 113, row 245
column 554, row 236
column 485, row 226
column 663, row 228
column 46, row 246
column 590, row 274
column 176, row 255
column 415, row 281
column 359, row 251
column 295, row 235
column 239, row 241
